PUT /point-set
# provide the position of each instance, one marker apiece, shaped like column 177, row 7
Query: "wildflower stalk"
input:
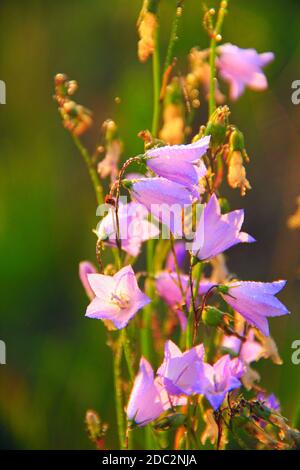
column 156, row 85
column 118, row 392
column 91, row 169
column 215, row 37
column 128, row 353
column 174, row 35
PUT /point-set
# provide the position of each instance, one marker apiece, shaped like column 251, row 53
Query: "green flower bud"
column 237, row 141
column 212, row 316
column 217, row 126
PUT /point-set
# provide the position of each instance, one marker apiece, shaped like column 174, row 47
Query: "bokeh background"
column 58, row 364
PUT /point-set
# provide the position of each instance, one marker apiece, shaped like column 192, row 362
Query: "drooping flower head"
column 256, row 301
column 134, row 228
column 181, row 373
column 86, row 268
column 269, row 400
column 180, row 163
column 164, row 199
column 117, row 298
column 242, row 68
column 149, row 397
column 220, row 379
column 144, row 404
column 216, row 233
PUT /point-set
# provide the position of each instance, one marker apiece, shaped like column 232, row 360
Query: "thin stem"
column 128, row 353
column 215, row 37
column 91, row 169
column 118, row 392
column 156, row 86
column 174, row 35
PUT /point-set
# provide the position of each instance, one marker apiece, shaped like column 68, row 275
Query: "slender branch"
column 118, row 392
column 91, row 169
column 215, row 37
column 174, row 35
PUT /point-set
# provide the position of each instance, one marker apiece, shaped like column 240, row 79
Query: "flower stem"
column 128, row 353
column 212, row 56
column 91, row 169
column 156, row 86
column 118, row 392
column 174, row 35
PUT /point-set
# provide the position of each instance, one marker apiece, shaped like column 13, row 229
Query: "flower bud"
column 93, row 424
column 217, row 126
column 212, row 316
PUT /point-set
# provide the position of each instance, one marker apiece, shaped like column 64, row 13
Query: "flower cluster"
column 186, row 294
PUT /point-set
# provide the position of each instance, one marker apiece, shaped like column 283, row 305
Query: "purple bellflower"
column 117, row 298
column 242, row 68
column 216, row 233
column 180, row 163
column 181, row 373
column 145, row 404
column 248, row 351
column 220, row 379
column 164, row 199
column 256, row 301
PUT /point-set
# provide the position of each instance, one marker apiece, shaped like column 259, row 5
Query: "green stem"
column 156, row 86
column 91, row 169
column 128, row 354
column 174, row 34
column 118, row 393
column 212, row 56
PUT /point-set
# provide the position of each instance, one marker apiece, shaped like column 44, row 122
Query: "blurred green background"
column 58, row 364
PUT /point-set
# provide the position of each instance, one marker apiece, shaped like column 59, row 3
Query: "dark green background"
column 57, row 362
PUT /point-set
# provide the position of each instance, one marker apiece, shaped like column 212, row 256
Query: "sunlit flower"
column 181, row 373
column 134, row 228
column 242, row 68
column 269, row 400
column 86, row 268
column 256, row 301
column 180, row 163
column 164, row 199
column 216, row 233
column 118, row 297
column 145, row 403
column 219, row 380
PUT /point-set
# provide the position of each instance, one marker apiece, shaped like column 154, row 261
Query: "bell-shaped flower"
column 117, row 298
column 145, row 404
column 181, row 255
column 86, row 268
column 181, row 373
column 220, row 379
column 149, row 397
column 180, row 163
column 215, row 232
column 242, row 68
column 164, row 199
column 134, row 228
column 256, row 301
